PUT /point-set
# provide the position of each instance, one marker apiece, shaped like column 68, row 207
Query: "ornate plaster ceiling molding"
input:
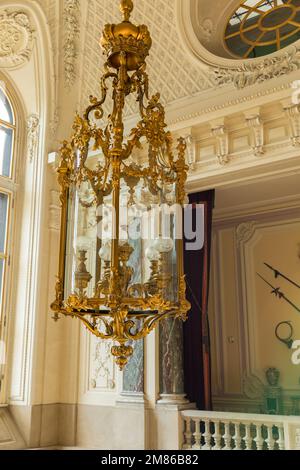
column 16, row 38
column 72, row 31
column 251, row 73
column 203, row 42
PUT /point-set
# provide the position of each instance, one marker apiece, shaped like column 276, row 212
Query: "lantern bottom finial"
column 122, row 353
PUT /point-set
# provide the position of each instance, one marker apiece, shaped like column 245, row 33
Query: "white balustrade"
column 217, row 437
column 237, row 431
column 259, row 440
column 270, row 440
column 280, row 441
column 207, row 435
column 237, row 436
column 188, row 433
column 247, row 437
column 197, row 434
column 227, row 436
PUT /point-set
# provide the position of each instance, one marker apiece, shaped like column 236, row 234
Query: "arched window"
column 7, row 137
column 7, row 127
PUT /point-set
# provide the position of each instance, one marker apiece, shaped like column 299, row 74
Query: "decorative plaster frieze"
column 292, row 113
column 72, row 31
column 245, row 232
column 54, row 211
column 33, row 126
column 16, row 39
column 252, row 73
column 256, row 127
column 222, row 138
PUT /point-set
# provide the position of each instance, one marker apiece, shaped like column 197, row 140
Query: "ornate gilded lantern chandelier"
column 114, row 277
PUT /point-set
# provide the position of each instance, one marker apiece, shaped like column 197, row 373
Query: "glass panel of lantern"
column 147, row 245
column 83, row 267
column 150, row 229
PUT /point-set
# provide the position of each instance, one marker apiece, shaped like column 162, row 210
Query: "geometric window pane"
column 261, row 27
column 6, row 140
column 3, row 220
column 6, row 113
column 1, row 277
column 290, row 40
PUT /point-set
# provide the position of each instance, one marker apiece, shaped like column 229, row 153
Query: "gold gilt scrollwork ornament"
column 113, row 309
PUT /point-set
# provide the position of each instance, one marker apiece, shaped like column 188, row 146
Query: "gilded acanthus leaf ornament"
column 100, row 279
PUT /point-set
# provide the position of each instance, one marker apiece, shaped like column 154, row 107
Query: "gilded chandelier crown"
column 127, row 38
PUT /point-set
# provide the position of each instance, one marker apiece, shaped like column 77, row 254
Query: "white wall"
column 243, row 312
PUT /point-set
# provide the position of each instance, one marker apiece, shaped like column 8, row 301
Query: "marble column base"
column 172, row 399
column 134, row 398
column 169, row 424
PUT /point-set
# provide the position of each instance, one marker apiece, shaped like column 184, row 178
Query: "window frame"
column 5, row 255
column 9, row 187
column 13, row 127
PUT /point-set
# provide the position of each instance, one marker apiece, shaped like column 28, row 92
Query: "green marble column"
column 171, row 362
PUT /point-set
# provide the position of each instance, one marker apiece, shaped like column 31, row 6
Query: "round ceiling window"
column 258, row 28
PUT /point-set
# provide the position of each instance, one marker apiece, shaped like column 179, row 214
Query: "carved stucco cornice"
column 219, row 106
